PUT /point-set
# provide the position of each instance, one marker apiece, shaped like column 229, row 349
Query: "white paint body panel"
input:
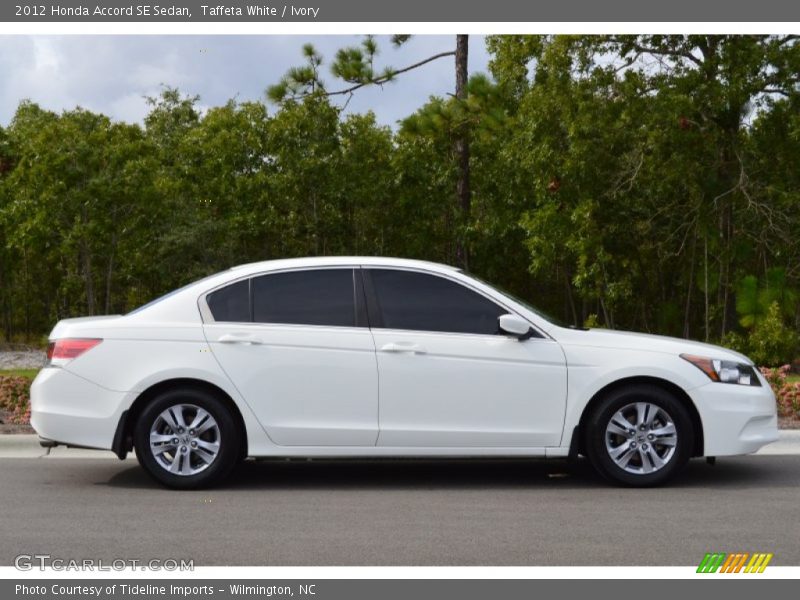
column 327, row 391
column 469, row 390
column 309, row 386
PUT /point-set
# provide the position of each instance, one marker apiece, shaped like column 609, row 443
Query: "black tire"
column 197, row 472
column 600, row 443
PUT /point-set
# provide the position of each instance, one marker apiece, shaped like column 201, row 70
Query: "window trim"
column 205, row 311
column 360, row 312
column 362, row 301
column 370, row 320
column 376, row 317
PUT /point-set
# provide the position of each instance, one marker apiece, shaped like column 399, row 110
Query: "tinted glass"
column 231, row 303
column 321, row 297
column 423, row 302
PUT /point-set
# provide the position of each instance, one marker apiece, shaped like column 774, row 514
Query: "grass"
column 29, row 373
column 793, row 378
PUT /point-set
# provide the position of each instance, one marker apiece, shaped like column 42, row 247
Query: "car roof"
column 174, row 305
column 321, row 261
column 181, row 305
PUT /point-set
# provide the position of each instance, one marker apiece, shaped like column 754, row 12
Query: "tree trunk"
column 110, row 273
column 86, row 267
column 461, row 151
column 571, row 300
column 6, row 307
column 705, row 285
column 687, row 312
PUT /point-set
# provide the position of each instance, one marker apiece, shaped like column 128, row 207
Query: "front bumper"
column 736, row 419
column 69, row 409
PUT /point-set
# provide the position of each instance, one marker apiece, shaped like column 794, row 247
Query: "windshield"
column 518, row 300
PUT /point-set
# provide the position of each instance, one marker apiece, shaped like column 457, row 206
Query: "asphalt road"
column 401, row 513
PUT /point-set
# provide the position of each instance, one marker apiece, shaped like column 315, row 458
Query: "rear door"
column 449, row 377
column 297, row 347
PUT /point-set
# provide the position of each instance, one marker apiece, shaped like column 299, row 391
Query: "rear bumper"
column 736, row 419
column 69, row 409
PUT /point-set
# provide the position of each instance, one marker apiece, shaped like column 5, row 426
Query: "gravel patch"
column 22, row 359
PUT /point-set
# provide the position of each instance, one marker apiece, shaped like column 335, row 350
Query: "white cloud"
column 113, row 74
column 45, row 55
column 131, row 107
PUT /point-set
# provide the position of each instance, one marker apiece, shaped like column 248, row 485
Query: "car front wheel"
column 639, row 435
column 187, row 438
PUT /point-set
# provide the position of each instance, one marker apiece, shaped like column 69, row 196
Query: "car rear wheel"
column 639, row 436
column 186, row 439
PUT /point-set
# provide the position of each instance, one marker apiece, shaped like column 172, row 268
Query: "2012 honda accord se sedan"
column 374, row 357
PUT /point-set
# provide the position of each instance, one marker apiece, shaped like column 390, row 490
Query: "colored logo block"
column 736, row 562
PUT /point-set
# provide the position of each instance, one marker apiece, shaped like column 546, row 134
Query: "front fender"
column 591, row 369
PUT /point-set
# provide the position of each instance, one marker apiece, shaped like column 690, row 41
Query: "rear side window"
column 422, row 302
column 313, row 297
column 231, row 303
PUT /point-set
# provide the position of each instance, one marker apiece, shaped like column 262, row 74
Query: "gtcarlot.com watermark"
column 42, row 562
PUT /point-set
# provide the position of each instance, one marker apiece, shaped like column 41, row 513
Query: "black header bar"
column 438, row 11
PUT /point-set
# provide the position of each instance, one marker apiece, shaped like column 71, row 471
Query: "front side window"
column 423, row 302
column 312, row 297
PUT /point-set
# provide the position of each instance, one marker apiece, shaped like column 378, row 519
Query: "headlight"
column 724, row 371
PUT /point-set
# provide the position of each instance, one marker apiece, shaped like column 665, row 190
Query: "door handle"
column 403, row 347
column 240, row 338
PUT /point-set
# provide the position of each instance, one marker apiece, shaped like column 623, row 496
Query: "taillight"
column 60, row 352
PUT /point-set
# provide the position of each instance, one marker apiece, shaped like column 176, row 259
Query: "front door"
column 449, row 377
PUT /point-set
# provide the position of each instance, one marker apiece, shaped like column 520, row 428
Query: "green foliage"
column 748, row 303
column 753, row 301
column 354, row 65
column 643, row 167
column 27, row 373
column 638, row 182
column 736, row 341
column 299, row 81
column 99, row 217
column 591, row 322
column 771, row 342
column 483, row 112
column 357, row 64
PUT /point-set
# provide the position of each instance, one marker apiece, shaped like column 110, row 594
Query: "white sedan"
column 374, row 357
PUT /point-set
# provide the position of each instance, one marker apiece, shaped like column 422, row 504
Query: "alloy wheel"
column 185, row 439
column 641, row 438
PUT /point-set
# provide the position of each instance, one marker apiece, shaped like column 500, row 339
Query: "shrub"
column 789, row 399
column 15, row 398
column 786, row 394
column 768, row 343
column 21, row 415
column 735, row 341
column 775, row 376
column 591, row 322
column 771, row 343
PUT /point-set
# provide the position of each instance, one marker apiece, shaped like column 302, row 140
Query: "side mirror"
column 516, row 326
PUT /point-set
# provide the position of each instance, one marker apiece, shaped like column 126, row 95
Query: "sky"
column 113, row 74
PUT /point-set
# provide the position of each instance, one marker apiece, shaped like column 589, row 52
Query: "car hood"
column 629, row 340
